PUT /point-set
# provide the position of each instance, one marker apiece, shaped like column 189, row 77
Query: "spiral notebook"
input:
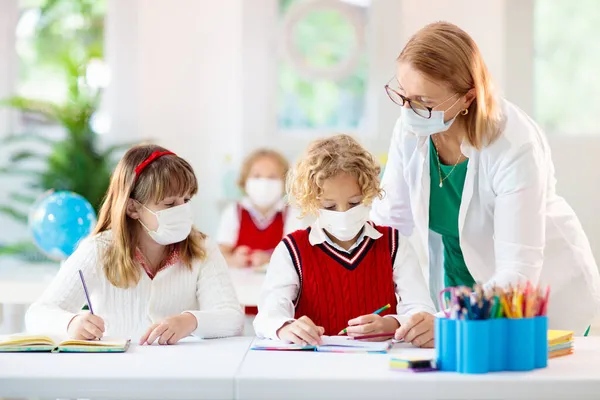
column 331, row 344
column 41, row 343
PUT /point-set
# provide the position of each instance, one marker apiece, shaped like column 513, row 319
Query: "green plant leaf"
column 45, row 108
column 8, row 170
column 15, row 138
column 26, row 155
column 13, row 213
column 22, row 198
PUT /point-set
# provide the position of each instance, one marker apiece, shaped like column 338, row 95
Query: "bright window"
column 567, row 66
column 323, row 66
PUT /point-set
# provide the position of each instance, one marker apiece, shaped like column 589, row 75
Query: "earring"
column 465, row 111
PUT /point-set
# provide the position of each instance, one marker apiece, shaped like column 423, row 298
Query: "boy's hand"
column 418, row 330
column 371, row 324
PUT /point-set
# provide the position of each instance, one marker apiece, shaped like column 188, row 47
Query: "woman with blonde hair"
column 149, row 273
column 470, row 168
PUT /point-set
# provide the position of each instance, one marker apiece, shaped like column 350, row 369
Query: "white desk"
column 292, row 375
column 190, row 370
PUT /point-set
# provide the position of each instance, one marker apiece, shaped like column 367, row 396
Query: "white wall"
column 184, row 58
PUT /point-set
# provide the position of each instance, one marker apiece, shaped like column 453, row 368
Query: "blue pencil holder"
column 473, row 347
column 541, row 342
column 445, row 343
column 521, row 351
column 498, row 344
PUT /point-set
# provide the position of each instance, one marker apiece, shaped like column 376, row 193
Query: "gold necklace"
column 439, row 165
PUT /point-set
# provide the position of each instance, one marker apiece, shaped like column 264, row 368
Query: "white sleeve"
column 229, row 226
column 294, row 223
column 520, row 184
column 394, row 208
column 411, row 287
column 65, row 298
column 280, row 290
column 220, row 313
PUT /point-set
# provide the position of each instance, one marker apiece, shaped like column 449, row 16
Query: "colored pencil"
column 374, row 335
column 87, row 296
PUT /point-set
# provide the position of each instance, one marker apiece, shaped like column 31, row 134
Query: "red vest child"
column 256, row 239
column 336, row 287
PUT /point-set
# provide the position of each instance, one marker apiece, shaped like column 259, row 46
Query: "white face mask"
column 344, row 225
column 264, row 192
column 174, row 224
column 420, row 126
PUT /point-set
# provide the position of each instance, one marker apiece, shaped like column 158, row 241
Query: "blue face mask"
column 425, row 127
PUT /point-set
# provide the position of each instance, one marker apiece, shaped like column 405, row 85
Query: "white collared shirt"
column 282, row 284
column 229, row 227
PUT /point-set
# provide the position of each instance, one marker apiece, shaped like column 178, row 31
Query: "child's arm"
column 64, row 298
column 220, row 313
column 276, row 307
column 227, row 237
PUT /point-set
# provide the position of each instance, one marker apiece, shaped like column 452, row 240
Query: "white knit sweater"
column 206, row 291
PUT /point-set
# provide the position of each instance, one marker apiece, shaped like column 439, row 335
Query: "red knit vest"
column 336, row 287
column 250, row 235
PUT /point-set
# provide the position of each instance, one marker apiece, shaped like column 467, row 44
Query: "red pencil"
column 376, row 335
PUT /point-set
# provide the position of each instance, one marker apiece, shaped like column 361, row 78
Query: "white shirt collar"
column 318, row 236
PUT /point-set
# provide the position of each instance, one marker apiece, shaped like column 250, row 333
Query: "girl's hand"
column 171, row 330
column 86, row 326
column 302, row 331
column 371, row 324
column 418, row 330
column 240, row 257
column 259, row 258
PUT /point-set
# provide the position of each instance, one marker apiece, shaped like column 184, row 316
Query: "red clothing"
column 335, row 286
column 259, row 240
column 256, row 239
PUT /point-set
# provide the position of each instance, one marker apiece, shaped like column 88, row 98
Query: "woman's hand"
column 418, row 330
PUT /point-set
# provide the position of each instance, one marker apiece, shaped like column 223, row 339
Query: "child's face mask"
column 344, row 225
column 264, row 192
column 174, row 224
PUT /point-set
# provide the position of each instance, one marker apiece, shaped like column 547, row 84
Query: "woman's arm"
column 520, row 184
column 394, row 208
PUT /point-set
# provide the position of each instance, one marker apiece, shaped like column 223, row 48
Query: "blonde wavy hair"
column 166, row 176
column 447, row 54
column 257, row 155
column 326, row 158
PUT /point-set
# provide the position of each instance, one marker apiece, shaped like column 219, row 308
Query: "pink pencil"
column 376, row 335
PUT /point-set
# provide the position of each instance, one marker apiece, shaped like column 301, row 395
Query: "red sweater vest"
column 250, row 235
column 336, row 287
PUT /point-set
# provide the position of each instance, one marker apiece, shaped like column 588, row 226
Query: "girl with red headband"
column 150, row 274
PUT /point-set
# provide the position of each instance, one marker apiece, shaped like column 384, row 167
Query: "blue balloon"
column 59, row 221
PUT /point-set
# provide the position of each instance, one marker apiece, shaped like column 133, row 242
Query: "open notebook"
column 39, row 343
column 331, row 344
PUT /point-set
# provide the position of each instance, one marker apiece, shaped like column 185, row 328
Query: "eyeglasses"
column 419, row 108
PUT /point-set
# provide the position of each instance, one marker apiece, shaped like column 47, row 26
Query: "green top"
column 444, row 204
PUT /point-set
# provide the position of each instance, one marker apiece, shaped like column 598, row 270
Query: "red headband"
column 147, row 161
